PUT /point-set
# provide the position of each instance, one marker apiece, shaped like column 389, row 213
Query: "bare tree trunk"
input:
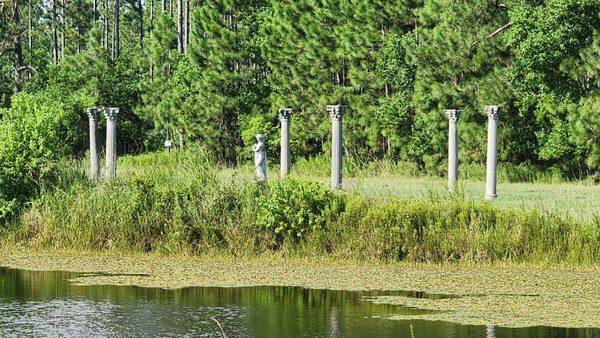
column 29, row 31
column 63, row 38
column 17, row 47
column 151, row 35
column 164, row 6
column 151, row 27
column 105, row 32
column 116, row 43
column 54, row 34
column 78, row 39
column 186, row 38
column 141, row 14
column 95, row 10
column 171, row 8
column 180, row 26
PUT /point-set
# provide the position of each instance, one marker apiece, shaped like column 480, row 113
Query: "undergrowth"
column 182, row 205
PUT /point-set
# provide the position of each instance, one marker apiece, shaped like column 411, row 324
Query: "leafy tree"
column 543, row 36
column 35, row 132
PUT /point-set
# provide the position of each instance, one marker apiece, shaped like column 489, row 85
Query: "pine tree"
column 221, row 49
column 459, row 64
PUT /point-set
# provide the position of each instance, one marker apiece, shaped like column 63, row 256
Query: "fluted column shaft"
column 453, row 117
column 493, row 113
column 93, row 117
column 111, row 141
column 336, row 112
column 284, row 118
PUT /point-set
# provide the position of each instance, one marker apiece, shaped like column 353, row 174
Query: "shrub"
column 292, row 208
column 34, row 133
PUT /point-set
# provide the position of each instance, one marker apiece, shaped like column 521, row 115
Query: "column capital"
column 336, row 111
column 93, row 113
column 452, row 114
column 111, row 113
column 493, row 112
column 285, row 113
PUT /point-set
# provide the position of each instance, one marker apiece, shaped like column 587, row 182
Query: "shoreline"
column 511, row 296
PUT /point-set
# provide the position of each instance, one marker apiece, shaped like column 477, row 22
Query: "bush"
column 292, row 208
column 34, row 133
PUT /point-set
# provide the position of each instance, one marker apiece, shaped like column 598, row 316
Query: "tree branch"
column 491, row 35
column 22, row 68
column 498, row 31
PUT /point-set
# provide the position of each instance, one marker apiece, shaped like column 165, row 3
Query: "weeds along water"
column 185, row 204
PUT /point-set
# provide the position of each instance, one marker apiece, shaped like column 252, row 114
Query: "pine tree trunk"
column 151, row 35
column 54, row 34
column 186, row 39
column 164, row 6
column 94, row 10
column 151, row 27
column 78, row 39
column 17, row 47
column 105, row 32
column 180, row 26
column 171, row 8
column 63, row 39
column 141, row 13
column 29, row 31
column 116, row 43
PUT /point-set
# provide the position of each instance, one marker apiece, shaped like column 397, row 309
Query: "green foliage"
column 544, row 37
column 179, row 204
column 259, row 124
column 35, row 132
column 586, row 130
column 226, row 87
column 396, row 64
column 291, row 209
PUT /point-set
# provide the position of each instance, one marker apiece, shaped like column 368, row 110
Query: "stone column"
column 493, row 113
column 284, row 117
column 336, row 112
column 93, row 115
column 453, row 116
column 111, row 141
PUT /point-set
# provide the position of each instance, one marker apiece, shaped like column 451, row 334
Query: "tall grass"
column 182, row 205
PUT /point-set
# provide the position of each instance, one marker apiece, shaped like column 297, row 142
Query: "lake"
column 49, row 304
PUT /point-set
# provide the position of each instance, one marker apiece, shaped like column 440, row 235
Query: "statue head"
column 259, row 137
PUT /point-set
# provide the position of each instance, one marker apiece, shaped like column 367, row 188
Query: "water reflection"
column 490, row 332
column 46, row 304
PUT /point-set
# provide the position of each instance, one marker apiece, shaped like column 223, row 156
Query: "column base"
column 452, row 187
column 490, row 197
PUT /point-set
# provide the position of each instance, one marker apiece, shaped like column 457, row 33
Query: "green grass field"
column 578, row 200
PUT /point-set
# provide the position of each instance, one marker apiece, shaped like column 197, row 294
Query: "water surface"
column 47, row 304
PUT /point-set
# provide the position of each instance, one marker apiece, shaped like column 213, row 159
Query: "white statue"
column 260, row 158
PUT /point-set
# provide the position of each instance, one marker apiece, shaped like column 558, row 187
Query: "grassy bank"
column 521, row 187
column 512, row 296
column 184, row 204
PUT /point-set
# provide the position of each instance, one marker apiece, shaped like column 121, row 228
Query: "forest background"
column 219, row 71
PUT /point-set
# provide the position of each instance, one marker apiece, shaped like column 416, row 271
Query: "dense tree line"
column 218, row 71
